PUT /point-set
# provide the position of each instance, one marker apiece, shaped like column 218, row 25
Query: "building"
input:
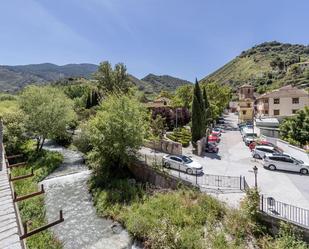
column 282, row 102
column 159, row 102
column 233, row 105
column 246, row 103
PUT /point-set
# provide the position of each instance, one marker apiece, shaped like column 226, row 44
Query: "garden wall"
column 165, row 146
column 144, row 173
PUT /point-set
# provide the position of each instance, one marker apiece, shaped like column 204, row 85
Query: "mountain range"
column 266, row 66
column 14, row 78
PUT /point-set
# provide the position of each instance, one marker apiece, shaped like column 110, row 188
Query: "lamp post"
column 255, row 171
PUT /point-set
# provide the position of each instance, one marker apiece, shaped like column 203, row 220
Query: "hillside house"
column 246, row 103
column 282, row 102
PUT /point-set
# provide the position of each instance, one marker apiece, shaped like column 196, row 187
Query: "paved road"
column 234, row 159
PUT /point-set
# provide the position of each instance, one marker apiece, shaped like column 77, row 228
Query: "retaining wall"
column 169, row 147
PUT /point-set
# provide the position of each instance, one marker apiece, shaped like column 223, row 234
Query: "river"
column 66, row 188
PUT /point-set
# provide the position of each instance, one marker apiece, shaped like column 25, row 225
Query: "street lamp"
column 255, row 171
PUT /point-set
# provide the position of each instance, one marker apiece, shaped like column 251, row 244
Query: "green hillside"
column 266, row 66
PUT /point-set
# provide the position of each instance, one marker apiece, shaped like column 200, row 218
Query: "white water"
column 66, row 189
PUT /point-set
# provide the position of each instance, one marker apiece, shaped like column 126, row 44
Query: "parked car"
column 221, row 121
column 211, row 148
column 261, row 150
column 183, row 163
column 212, row 138
column 218, row 129
column 249, row 138
column 215, row 133
column 266, row 143
column 285, row 162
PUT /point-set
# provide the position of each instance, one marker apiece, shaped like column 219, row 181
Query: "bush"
column 180, row 135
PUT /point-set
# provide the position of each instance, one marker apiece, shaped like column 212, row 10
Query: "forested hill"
column 14, row 78
column 164, row 82
column 266, row 66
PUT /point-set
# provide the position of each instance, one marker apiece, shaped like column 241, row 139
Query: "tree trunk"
column 42, row 143
column 38, row 144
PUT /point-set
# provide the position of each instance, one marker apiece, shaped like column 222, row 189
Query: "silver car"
column 182, row 163
column 261, row 150
column 285, row 162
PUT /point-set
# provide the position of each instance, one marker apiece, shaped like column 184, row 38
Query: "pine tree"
column 198, row 114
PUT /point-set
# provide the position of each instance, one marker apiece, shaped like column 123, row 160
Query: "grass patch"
column 33, row 209
column 187, row 219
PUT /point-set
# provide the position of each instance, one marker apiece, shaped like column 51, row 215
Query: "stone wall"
column 144, row 173
column 169, row 147
column 201, row 146
column 273, row 225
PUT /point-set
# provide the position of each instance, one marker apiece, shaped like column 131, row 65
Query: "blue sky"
column 186, row 39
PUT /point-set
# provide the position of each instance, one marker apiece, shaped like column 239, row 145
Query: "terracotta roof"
column 286, row 91
column 246, row 85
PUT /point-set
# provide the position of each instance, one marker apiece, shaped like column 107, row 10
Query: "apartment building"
column 282, row 102
column 246, row 103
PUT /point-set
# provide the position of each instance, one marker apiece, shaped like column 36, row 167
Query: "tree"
column 208, row 118
column 116, row 133
column 14, row 130
column 112, row 80
column 158, row 126
column 47, row 112
column 218, row 97
column 198, row 114
column 183, row 96
column 296, row 129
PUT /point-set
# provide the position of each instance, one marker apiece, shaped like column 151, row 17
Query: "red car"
column 216, row 133
column 253, row 144
column 212, row 138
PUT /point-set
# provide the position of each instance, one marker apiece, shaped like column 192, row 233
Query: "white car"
column 261, row 150
column 182, row 163
column 285, row 162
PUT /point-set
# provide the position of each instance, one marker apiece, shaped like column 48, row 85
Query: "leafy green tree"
column 112, row 80
column 165, row 94
column 296, row 129
column 198, row 114
column 116, row 133
column 47, row 112
column 183, row 96
column 158, row 126
column 14, row 130
column 218, row 97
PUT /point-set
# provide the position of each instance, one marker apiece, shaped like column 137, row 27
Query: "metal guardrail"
column 284, row 211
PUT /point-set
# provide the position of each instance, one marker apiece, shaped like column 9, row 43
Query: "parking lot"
column 234, row 159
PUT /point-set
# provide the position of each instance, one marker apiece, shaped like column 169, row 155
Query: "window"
column 266, row 112
column 295, row 100
column 265, row 101
column 288, row 160
column 248, row 90
column 276, row 112
column 176, row 159
column 294, row 111
column 244, row 112
column 276, row 101
column 248, row 105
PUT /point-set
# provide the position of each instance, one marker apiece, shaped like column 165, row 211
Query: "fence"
column 199, row 180
column 284, row 211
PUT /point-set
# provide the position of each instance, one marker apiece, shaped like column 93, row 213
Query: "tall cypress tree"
column 198, row 114
column 207, row 109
